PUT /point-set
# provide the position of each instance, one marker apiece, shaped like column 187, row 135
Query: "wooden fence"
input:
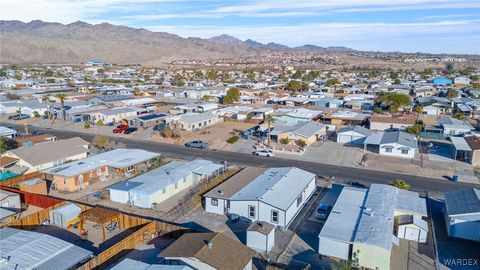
column 17, row 179
column 36, row 218
column 29, row 198
column 139, row 237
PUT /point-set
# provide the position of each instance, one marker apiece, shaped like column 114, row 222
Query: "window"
column 130, row 168
column 299, row 199
column 404, row 152
column 275, row 216
column 214, row 202
column 388, row 150
column 251, row 211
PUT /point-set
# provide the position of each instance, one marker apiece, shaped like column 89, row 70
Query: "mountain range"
column 45, row 42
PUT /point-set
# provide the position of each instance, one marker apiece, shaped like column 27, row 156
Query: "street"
column 341, row 174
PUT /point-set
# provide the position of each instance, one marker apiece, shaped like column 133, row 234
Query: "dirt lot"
column 215, row 135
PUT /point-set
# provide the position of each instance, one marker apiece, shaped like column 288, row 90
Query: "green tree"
column 86, row 125
column 198, row 73
column 474, row 77
column 294, row 86
column 269, row 119
column 332, row 82
column 414, row 130
column 284, row 141
column 3, row 145
column 301, row 143
column 343, row 266
column 50, row 80
column 310, row 76
column 419, row 111
column 36, row 114
column 397, row 81
column 378, row 110
column 394, row 75
column 99, row 123
column 395, row 101
column 233, row 139
column 452, row 93
column 449, row 68
column 374, row 73
column 212, row 75
column 233, row 95
column 458, row 115
column 401, row 184
column 297, row 75
column 178, row 80
column 62, row 98
column 101, row 141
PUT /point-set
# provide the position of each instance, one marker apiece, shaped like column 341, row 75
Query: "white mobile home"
column 161, row 183
column 276, row 196
column 462, row 213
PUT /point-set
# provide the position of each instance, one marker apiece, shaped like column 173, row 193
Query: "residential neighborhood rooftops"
column 112, row 98
column 214, row 249
column 274, row 186
column 463, row 201
column 51, row 151
column 357, row 129
column 32, row 250
column 192, row 118
column 342, row 221
column 407, row 120
column 261, row 227
column 129, row 264
column 473, row 142
column 399, row 137
column 235, row 183
column 118, row 158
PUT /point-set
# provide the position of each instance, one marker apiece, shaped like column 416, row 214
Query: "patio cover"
column 460, row 144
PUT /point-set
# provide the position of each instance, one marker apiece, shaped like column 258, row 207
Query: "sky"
column 433, row 26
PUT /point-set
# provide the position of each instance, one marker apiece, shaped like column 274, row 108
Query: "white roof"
column 32, row 250
column 129, row 264
column 118, row 158
column 279, row 187
column 4, row 131
column 342, row 221
column 375, row 226
column 161, row 177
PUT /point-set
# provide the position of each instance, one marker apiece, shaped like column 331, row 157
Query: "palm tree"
column 269, row 119
column 62, row 97
column 401, row 184
column 418, row 110
column 45, row 100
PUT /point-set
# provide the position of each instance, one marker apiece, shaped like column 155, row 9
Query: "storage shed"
column 261, row 236
column 64, row 215
column 411, row 227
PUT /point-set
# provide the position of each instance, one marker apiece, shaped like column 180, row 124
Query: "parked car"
column 264, row 153
column 197, row 144
column 130, row 130
column 120, row 129
column 323, row 210
column 36, row 132
column 18, row 116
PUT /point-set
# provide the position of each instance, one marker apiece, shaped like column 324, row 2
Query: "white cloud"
column 443, row 36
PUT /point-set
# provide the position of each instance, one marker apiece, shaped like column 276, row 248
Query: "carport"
column 461, row 147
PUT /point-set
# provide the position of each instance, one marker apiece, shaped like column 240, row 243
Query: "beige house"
column 382, row 123
column 78, row 175
column 46, row 155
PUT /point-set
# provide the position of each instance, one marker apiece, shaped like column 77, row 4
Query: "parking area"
column 438, row 151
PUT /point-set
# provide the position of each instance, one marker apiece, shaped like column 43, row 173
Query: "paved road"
column 363, row 176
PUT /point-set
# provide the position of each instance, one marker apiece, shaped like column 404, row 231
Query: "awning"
column 460, row 144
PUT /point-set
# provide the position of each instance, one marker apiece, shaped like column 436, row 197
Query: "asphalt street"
column 340, row 174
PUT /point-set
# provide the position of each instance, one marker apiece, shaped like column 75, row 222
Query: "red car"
column 120, row 129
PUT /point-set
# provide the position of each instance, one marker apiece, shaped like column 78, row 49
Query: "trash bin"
column 455, row 178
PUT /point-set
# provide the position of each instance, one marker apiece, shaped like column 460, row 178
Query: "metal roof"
column 4, row 131
column 161, row 177
column 342, row 221
column 460, row 143
column 462, row 201
column 357, row 129
column 375, row 226
column 118, row 158
column 32, row 250
column 129, row 264
column 399, row 137
column 279, row 187
column 192, row 118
